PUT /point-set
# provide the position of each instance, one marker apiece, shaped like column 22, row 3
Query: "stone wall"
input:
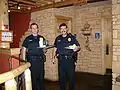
column 46, row 21
column 91, row 61
column 116, row 42
column 88, row 61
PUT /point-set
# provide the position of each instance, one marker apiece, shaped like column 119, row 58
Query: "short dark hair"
column 34, row 24
column 63, row 24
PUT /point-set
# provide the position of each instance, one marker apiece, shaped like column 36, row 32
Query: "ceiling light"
column 29, row 8
column 18, row 7
column 8, row 10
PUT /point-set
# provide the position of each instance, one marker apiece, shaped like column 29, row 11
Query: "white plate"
column 69, row 48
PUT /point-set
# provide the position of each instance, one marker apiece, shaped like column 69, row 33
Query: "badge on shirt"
column 69, row 39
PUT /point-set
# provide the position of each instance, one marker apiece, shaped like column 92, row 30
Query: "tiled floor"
column 85, row 81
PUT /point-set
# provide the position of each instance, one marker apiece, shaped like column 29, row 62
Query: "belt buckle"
column 66, row 56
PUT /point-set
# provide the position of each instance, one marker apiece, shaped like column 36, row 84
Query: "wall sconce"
column 86, row 31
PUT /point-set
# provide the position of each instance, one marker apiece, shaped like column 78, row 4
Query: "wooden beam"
column 23, row 10
column 26, row 2
column 65, row 3
column 42, row 1
column 57, row 5
column 50, row 0
column 20, row 11
column 11, row 2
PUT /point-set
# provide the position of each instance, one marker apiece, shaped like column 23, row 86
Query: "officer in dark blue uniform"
column 67, row 46
column 35, row 55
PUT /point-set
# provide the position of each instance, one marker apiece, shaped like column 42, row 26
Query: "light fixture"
column 8, row 10
column 29, row 8
column 18, row 7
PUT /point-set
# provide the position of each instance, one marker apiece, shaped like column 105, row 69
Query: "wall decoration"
column 86, row 31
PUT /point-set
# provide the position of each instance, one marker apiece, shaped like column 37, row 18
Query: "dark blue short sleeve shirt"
column 31, row 43
column 62, row 42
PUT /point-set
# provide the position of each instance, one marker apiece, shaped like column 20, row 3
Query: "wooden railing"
column 9, row 77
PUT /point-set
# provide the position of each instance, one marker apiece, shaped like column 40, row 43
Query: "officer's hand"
column 76, row 49
column 44, row 50
column 75, row 63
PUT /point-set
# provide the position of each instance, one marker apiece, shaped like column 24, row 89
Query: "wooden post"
column 28, row 82
column 11, row 85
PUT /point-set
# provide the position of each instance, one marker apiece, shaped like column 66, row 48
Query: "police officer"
column 35, row 55
column 67, row 46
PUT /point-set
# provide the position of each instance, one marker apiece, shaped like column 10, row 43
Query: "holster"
column 44, row 57
column 75, row 55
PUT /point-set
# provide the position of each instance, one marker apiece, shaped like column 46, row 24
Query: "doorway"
column 63, row 19
column 107, row 43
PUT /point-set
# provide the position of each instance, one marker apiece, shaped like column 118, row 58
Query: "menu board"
column 6, row 36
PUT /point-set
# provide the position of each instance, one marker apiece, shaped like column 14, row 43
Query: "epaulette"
column 60, row 36
column 70, row 35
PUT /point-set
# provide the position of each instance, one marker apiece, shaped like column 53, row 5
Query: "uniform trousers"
column 66, row 70
column 37, row 72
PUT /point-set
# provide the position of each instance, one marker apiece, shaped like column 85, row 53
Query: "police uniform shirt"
column 62, row 42
column 31, row 43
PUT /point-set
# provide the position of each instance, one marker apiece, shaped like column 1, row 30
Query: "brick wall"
column 88, row 61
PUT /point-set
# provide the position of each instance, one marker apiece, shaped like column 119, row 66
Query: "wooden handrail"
column 17, row 58
column 13, row 56
column 13, row 73
column 8, row 78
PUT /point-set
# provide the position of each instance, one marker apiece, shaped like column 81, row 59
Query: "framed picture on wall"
column 6, row 36
column 97, row 35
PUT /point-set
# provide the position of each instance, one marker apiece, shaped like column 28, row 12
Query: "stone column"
column 4, row 21
column 116, row 43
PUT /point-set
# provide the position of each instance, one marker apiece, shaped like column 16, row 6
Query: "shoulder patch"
column 70, row 34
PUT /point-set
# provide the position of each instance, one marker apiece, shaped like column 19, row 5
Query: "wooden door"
column 107, row 42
